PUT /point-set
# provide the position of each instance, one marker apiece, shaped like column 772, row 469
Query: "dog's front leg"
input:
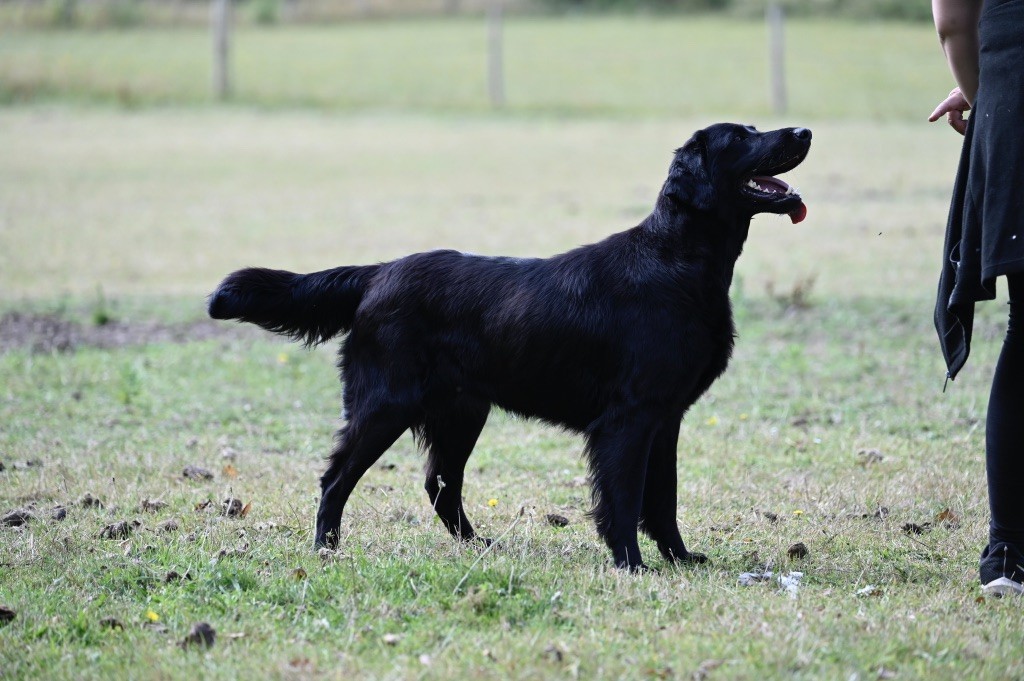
column 618, row 455
column 658, row 514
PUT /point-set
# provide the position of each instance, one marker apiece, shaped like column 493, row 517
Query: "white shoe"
column 1004, row 586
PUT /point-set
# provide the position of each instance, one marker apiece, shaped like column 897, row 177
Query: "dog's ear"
column 688, row 180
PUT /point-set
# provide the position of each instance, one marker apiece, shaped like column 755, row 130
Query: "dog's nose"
column 802, row 133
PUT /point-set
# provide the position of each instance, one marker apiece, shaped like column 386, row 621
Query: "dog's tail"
column 312, row 308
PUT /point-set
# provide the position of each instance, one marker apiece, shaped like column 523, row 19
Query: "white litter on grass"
column 752, row 578
column 789, row 582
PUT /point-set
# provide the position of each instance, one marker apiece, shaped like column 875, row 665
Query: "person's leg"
column 1004, row 451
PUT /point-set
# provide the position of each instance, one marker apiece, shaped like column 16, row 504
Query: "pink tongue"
column 798, row 214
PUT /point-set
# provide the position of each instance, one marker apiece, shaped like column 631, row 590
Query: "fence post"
column 220, row 19
column 776, row 56
column 495, row 61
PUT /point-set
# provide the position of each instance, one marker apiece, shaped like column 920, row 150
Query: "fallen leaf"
column 203, row 505
column 948, row 519
column 122, row 529
column 245, row 510
column 797, row 550
column 868, row 457
column 705, row 668
column 197, row 473
column 556, row 520
column 228, row 553
column 151, row 505
column 301, row 664
column 29, row 463
column 111, row 623
column 90, row 501
column 299, row 574
column 201, row 634
column 232, row 507
column 17, row 517
column 230, row 471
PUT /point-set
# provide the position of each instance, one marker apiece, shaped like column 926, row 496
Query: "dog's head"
column 732, row 168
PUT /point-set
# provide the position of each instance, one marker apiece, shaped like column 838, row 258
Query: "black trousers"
column 1004, row 429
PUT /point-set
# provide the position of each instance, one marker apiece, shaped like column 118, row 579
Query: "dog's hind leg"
column 363, row 440
column 658, row 514
column 618, row 459
column 450, row 438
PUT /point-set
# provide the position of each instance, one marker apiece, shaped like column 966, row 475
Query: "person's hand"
column 953, row 107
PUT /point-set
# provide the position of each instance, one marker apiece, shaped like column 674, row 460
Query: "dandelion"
column 743, row 417
column 713, row 421
column 152, row 616
column 282, row 358
column 798, row 512
column 492, row 502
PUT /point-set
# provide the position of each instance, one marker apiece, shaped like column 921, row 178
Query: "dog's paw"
column 326, row 540
column 693, row 559
column 641, row 569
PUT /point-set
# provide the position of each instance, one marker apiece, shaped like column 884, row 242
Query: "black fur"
column 614, row 340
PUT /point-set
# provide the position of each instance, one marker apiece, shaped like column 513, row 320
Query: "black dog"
column 613, row 340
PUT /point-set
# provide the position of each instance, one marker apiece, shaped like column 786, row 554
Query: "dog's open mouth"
column 770, row 189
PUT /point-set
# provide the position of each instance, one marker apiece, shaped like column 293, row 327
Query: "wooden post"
column 220, row 19
column 495, row 61
column 776, row 56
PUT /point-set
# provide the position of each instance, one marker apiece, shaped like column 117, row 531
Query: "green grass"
column 676, row 66
column 779, row 433
column 167, row 202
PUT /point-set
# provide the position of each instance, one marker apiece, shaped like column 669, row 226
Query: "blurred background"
column 147, row 147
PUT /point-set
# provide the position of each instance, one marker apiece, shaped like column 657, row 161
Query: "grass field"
column 830, row 429
column 654, row 66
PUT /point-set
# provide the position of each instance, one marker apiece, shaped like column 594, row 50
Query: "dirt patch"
column 52, row 333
